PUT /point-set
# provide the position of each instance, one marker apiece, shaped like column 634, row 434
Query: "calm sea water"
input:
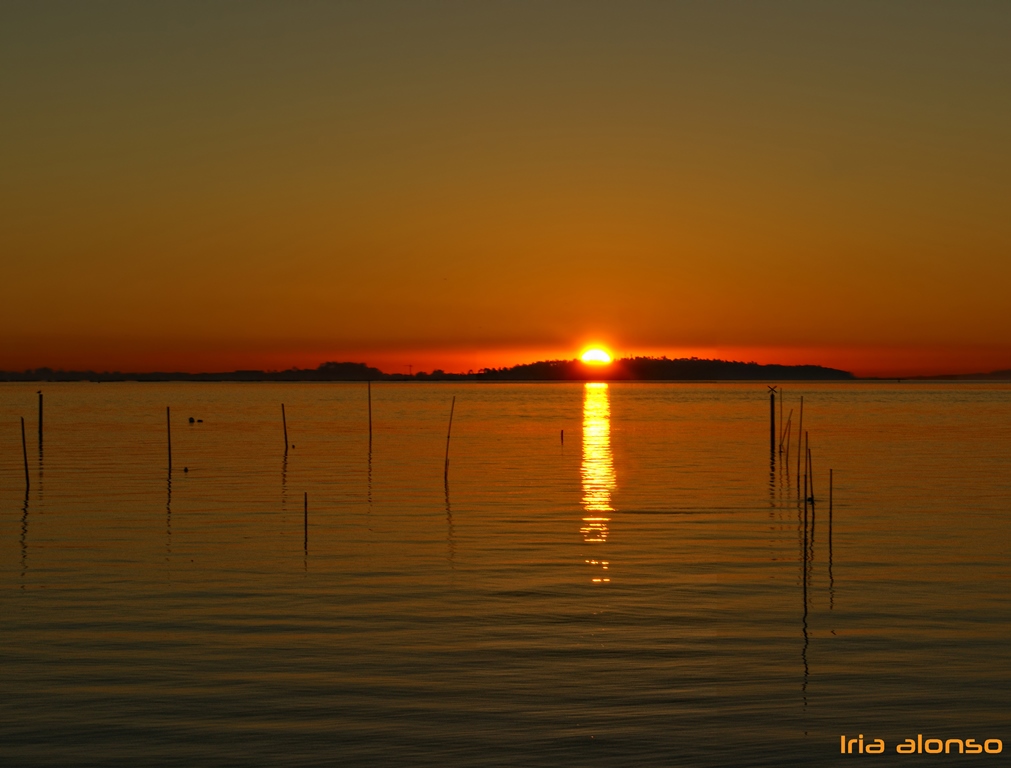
column 645, row 592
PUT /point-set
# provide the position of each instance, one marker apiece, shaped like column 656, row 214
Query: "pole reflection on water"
column 450, row 542
column 24, row 540
column 168, row 518
column 597, row 470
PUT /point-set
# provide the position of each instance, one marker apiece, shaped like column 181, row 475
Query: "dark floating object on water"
column 186, row 469
column 192, row 420
column 200, row 421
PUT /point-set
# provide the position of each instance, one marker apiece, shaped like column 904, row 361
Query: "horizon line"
column 367, row 372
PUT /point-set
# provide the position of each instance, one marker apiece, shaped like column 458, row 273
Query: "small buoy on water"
column 186, row 469
column 192, row 420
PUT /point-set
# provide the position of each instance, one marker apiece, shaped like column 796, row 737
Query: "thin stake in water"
column 370, row 410
column 452, row 407
column 782, row 425
column 40, row 419
column 786, row 427
column 831, row 581
column 772, row 419
column 810, row 472
column 810, row 465
column 284, row 424
column 806, row 454
column 786, row 439
column 800, row 432
column 24, row 452
column 305, row 520
column 168, row 432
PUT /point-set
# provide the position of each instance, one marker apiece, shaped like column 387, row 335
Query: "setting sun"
column 596, row 356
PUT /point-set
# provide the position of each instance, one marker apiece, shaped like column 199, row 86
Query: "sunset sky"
column 221, row 185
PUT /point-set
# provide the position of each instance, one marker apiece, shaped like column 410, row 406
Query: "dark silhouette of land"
column 660, row 369
column 628, row 369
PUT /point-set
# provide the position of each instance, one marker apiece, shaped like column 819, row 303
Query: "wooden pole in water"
column 807, row 453
column 24, row 452
column 772, row 419
column 168, row 432
column 785, row 431
column 305, row 519
column 810, row 472
column 284, row 424
column 370, row 411
column 800, row 432
column 805, row 497
column 782, row 424
column 452, row 407
column 810, row 465
column 40, row 418
column 563, row 437
column 831, row 581
column 830, row 511
column 786, row 439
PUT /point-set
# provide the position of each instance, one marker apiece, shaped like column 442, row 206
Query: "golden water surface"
column 618, row 574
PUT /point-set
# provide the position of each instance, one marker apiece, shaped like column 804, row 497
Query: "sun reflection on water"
column 597, row 470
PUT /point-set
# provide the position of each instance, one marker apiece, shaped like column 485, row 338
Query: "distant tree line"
column 628, row 369
column 659, row 369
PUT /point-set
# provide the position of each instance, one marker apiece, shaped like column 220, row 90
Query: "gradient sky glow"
column 210, row 186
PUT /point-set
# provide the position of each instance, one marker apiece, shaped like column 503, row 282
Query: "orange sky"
column 263, row 185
